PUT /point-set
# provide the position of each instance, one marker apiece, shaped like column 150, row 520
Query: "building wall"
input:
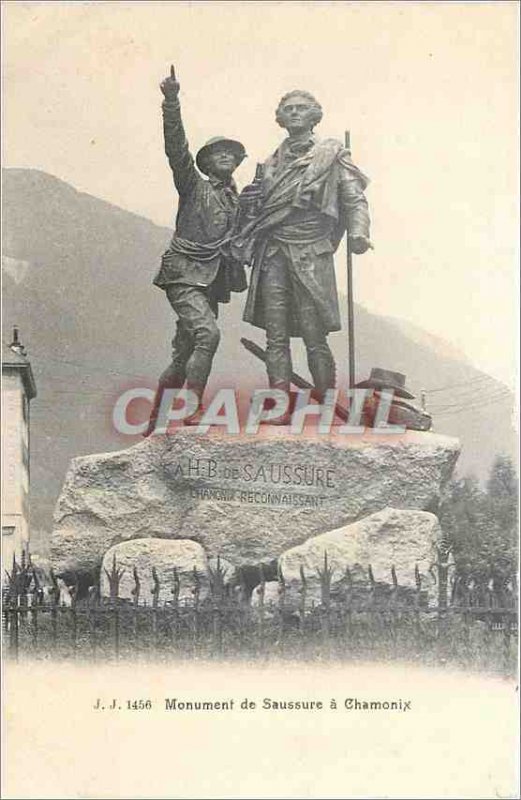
column 15, row 467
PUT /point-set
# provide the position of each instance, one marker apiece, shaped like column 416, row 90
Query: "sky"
column 429, row 92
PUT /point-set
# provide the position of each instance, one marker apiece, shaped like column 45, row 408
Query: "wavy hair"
column 317, row 108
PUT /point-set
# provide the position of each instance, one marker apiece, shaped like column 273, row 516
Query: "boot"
column 152, row 422
column 196, row 417
column 284, row 419
column 171, row 378
column 323, row 370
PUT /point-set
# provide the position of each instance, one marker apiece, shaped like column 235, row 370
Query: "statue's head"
column 298, row 112
column 220, row 157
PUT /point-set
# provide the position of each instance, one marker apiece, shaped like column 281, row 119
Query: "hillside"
column 77, row 281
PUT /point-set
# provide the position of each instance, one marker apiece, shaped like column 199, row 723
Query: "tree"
column 501, row 490
column 481, row 525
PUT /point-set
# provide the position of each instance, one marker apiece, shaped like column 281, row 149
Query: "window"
column 8, row 530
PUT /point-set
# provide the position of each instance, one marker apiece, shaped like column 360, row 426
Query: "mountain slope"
column 77, row 280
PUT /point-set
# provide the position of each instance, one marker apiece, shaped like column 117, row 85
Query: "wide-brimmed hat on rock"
column 386, row 379
column 237, row 148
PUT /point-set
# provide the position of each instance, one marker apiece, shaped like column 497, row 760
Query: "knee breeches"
column 197, row 335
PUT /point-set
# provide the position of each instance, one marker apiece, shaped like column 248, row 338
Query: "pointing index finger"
column 172, row 72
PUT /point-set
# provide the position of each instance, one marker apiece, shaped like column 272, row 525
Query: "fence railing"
column 474, row 624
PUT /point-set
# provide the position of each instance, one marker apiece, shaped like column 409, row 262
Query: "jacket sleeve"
column 176, row 148
column 353, row 204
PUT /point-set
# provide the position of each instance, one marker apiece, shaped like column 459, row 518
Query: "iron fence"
column 473, row 624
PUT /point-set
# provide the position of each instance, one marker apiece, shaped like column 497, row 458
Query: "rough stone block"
column 245, row 498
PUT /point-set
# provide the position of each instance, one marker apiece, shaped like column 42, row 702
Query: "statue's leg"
column 320, row 358
column 174, row 376
column 182, row 347
column 321, row 363
column 197, row 309
column 275, row 296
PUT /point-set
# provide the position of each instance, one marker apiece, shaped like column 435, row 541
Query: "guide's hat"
column 237, row 148
column 386, row 379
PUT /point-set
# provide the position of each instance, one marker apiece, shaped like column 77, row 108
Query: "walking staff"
column 350, row 303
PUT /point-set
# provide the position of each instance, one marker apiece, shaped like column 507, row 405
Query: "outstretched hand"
column 170, row 86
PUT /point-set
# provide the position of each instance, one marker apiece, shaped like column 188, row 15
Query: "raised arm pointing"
column 176, row 145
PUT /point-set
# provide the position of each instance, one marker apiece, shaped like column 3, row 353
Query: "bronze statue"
column 197, row 270
column 293, row 219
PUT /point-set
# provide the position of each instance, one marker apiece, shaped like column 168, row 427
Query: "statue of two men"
column 286, row 227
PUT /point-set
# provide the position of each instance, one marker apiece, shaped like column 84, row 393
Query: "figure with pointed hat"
column 197, row 271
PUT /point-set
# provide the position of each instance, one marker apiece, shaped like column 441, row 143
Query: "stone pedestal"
column 245, row 498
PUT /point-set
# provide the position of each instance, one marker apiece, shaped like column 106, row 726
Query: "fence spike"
column 156, row 587
column 417, row 577
column 197, row 586
column 325, row 576
column 217, row 579
column 393, row 576
column 176, row 587
column 349, row 578
column 35, row 579
column 136, row 590
column 114, row 578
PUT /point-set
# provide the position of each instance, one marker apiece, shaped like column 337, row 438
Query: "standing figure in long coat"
column 197, row 270
column 310, row 193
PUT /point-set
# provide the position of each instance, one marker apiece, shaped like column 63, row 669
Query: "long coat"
column 308, row 203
